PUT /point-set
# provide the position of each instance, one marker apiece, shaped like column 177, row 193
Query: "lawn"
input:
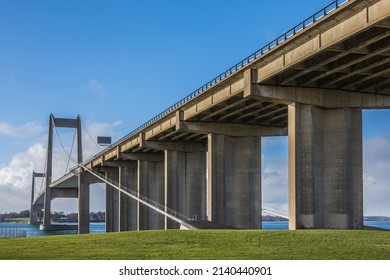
column 204, row 245
column 17, row 220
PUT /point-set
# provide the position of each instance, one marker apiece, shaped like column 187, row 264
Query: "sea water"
column 284, row 224
column 33, row 230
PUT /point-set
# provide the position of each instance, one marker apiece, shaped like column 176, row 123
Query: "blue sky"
column 120, row 63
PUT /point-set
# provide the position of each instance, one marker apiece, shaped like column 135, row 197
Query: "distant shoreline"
column 376, row 218
column 266, row 218
column 269, row 218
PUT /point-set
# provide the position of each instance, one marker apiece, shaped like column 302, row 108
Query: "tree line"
column 55, row 216
column 12, row 215
column 73, row 217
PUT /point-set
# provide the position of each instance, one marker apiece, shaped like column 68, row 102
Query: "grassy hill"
column 204, row 245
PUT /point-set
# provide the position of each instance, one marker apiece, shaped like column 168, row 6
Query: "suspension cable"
column 275, row 213
column 156, row 206
column 44, row 172
column 71, row 151
column 62, row 145
column 275, row 209
column 89, row 135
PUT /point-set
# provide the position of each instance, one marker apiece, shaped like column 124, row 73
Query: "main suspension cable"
column 89, row 135
column 43, row 178
column 62, row 145
column 71, row 150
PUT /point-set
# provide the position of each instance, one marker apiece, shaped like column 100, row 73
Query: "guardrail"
column 282, row 38
column 150, row 203
column 11, row 232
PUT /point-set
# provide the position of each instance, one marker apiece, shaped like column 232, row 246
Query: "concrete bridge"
column 202, row 156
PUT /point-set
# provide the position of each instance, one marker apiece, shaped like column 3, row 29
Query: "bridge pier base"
column 112, row 202
column 234, row 190
column 151, row 185
column 35, row 215
column 185, row 184
column 128, row 212
column 83, row 202
column 325, row 167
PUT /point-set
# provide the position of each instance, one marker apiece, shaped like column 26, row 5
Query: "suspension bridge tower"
column 49, row 192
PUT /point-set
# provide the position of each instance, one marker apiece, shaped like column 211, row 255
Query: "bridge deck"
column 346, row 51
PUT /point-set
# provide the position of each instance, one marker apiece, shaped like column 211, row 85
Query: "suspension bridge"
column 201, row 156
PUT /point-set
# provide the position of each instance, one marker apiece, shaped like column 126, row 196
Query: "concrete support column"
column 234, row 189
column 128, row 207
column 34, row 215
column 325, row 167
column 185, row 184
column 151, row 185
column 49, row 172
column 112, row 202
column 83, row 201
column 36, row 209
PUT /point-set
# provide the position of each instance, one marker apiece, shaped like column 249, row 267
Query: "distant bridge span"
column 311, row 84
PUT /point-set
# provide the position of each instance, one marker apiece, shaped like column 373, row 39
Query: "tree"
column 24, row 214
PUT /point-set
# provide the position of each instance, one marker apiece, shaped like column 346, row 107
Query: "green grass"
column 204, row 245
column 17, row 220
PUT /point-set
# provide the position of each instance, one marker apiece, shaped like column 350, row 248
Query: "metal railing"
column 275, row 213
column 150, row 203
column 282, row 38
column 12, row 232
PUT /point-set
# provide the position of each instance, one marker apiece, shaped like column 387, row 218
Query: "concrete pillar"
column 112, row 201
column 151, row 185
column 49, row 171
column 35, row 209
column 234, row 189
column 83, row 202
column 34, row 215
column 325, row 167
column 185, row 184
column 128, row 207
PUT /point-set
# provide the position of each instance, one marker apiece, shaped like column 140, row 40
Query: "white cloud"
column 29, row 129
column 16, row 175
column 95, row 87
column 16, row 178
column 18, row 172
column 376, row 176
column 275, row 184
column 12, row 200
